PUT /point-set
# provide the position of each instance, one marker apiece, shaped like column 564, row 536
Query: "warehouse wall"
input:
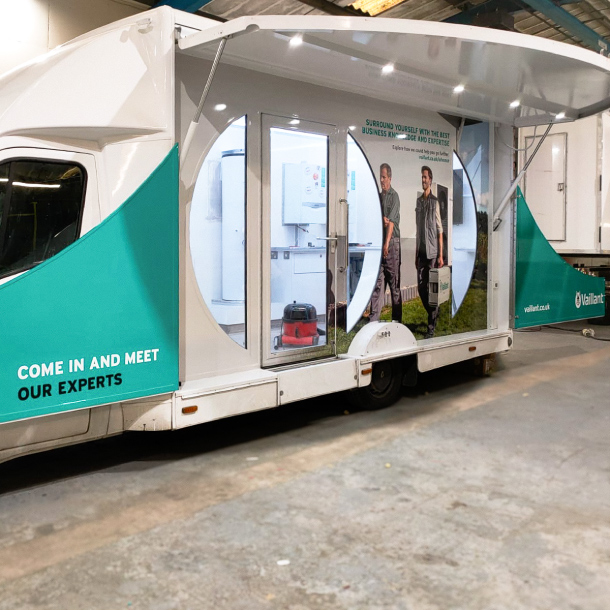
column 29, row 28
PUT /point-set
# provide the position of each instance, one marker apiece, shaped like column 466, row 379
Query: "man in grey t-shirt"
column 389, row 272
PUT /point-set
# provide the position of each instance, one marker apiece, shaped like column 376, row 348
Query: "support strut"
column 513, row 187
column 191, row 130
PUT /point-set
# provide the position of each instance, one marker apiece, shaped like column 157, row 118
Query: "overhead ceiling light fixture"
column 515, row 104
column 374, row 7
column 294, row 122
column 220, row 107
column 458, row 89
column 296, row 41
column 33, row 185
column 561, row 115
column 388, row 68
column 352, row 127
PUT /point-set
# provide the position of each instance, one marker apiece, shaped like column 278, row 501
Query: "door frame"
column 335, row 193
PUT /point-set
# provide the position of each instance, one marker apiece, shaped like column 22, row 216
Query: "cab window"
column 41, row 205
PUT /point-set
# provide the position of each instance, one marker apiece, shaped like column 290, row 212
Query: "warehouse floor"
column 470, row 493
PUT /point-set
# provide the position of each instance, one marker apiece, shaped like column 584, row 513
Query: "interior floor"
column 469, row 493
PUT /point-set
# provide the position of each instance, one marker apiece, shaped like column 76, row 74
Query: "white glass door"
column 299, row 239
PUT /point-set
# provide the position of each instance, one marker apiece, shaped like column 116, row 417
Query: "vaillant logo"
column 588, row 299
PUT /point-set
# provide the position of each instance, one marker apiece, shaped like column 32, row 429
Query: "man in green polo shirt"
column 389, row 272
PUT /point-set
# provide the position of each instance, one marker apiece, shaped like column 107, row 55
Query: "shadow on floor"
column 135, row 451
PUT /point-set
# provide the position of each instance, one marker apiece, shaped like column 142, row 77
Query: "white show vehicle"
column 190, row 219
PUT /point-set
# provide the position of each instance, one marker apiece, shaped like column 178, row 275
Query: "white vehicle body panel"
column 121, row 97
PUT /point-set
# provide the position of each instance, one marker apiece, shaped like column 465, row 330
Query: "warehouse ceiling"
column 584, row 22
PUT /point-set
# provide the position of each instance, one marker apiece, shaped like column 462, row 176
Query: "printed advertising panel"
column 98, row 322
column 547, row 288
column 433, row 252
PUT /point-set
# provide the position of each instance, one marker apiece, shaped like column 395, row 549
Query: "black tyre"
column 384, row 389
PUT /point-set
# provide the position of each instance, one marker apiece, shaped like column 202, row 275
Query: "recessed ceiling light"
column 388, row 68
column 515, row 104
column 297, row 40
column 220, row 107
column 401, row 136
column 294, row 122
column 352, row 127
column 458, row 89
column 561, row 115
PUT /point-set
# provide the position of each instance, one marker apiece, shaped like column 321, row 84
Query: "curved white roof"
column 430, row 59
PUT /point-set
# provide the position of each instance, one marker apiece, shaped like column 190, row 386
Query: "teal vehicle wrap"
column 98, row 322
column 547, row 289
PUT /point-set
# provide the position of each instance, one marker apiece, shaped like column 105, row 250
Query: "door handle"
column 332, row 240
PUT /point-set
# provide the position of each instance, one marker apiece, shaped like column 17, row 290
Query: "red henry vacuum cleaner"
column 299, row 326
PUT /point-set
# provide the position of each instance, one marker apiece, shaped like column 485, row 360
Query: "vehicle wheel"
column 384, row 389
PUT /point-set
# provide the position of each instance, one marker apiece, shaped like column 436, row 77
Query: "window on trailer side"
column 217, row 228
column 41, row 204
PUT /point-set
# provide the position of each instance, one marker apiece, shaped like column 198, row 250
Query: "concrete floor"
column 470, row 493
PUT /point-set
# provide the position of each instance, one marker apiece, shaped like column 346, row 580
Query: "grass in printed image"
column 472, row 315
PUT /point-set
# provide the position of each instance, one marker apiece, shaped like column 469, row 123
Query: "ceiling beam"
column 190, row 6
column 551, row 10
column 468, row 11
column 467, row 17
column 573, row 25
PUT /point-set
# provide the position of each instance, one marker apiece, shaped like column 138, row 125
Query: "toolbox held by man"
column 439, row 285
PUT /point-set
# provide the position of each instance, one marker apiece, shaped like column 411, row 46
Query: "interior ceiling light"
column 294, row 122
column 561, row 115
column 515, row 104
column 295, row 41
column 458, row 89
column 387, row 68
column 352, row 127
column 33, row 185
column 220, row 107
column 374, row 7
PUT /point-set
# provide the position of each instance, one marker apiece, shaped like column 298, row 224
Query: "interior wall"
column 29, row 28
